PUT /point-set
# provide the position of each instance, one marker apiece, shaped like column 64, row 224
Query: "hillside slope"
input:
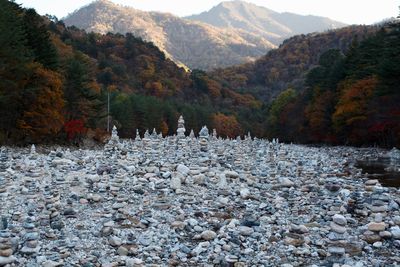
column 194, row 44
column 287, row 66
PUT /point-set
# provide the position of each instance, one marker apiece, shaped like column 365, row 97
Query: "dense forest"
column 55, row 82
column 338, row 87
column 350, row 98
column 287, row 66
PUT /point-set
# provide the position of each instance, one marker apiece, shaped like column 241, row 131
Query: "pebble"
column 208, row 235
column 395, row 232
column 376, row 227
column 377, row 244
column 337, row 228
column 187, row 201
column 115, row 241
column 339, row 219
column 134, row 262
column 7, row 260
column 122, row 251
column 246, row 231
column 176, row 182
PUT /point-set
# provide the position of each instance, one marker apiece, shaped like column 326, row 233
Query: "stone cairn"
column 31, row 237
column 4, row 160
column 194, row 201
column 180, row 138
column 3, row 169
column 113, row 144
column 6, row 248
column 203, row 139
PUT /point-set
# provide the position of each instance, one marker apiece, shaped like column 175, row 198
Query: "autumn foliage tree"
column 352, row 111
column 43, row 105
column 227, row 125
column 75, row 129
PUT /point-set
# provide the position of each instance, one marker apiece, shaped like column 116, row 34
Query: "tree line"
column 338, row 87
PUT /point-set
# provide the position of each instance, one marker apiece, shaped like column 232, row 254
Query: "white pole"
column 108, row 110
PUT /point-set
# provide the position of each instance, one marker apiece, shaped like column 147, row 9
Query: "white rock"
column 135, row 262
column 182, row 169
column 285, row 182
column 176, row 182
column 377, row 244
column 395, row 231
column 222, row 183
column 50, row 263
column 244, row 193
column 7, row 260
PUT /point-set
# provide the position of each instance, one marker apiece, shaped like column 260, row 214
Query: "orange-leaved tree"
column 226, row 125
column 43, row 100
column 352, row 110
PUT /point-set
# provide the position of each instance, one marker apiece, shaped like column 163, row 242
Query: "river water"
column 383, row 169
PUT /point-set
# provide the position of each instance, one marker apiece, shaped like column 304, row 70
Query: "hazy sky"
column 348, row 11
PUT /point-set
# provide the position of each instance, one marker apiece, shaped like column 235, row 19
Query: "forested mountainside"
column 287, row 66
column 55, row 80
column 229, row 34
column 194, row 44
column 338, row 87
column 350, row 98
column 272, row 25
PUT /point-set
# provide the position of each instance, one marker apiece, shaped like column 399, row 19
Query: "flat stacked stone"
column 3, row 186
column 376, row 230
column 180, row 132
column 203, row 139
column 191, row 135
column 52, row 208
column 6, row 249
column 146, row 144
column 117, row 183
column 338, row 238
column 4, row 160
column 113, row 146
column 355, row 204
column 31, row 237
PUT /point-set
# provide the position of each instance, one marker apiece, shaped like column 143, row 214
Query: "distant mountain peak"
column 193, row 43
column 231, row 33
column 104, row 2
column 260, row 20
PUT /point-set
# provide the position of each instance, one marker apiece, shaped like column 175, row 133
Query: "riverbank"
column 195, row 202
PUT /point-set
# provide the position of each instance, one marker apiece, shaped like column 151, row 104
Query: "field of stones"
column 195, row 201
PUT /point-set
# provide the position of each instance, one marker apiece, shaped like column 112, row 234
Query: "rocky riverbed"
column 186, row 201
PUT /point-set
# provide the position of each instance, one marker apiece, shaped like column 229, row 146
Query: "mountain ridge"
column 188, row 42
column 195, row 44
column 266, row 22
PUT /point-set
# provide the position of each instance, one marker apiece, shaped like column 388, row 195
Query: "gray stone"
column 337, row 228
column 208, row 235
column 376, row 227
column 395, row 231
column 7, row 260
column 336, row 250
column 115, row 241
column 245, row 231
column 123, row 251
column 176, row 182
column 339, row 219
